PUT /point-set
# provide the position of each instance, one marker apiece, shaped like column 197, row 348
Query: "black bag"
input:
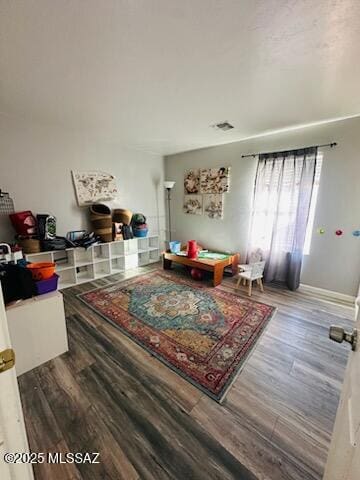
column 17, row 283
column 127, row 232
column 58, row 243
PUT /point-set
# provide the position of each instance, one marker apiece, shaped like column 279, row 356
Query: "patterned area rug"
column 203, row 333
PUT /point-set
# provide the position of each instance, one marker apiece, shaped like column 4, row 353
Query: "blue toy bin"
column 48, row 285
column 175, row 247
column 141, row 232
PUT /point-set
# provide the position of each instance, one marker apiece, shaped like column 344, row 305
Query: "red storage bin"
column 24, row 222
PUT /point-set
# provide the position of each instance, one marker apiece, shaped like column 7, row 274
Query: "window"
column 310, row 224
column 275, row 207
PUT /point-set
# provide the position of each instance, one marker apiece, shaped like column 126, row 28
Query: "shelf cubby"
column 85, row 273
column 67, row 277
column 143, row 258
column 117, row 265
column 64, row 259
column 117, row 249
column 143, row 244
column 101, row 252
column 83, row 256
column 101, row 269
column 131, row 261
column 131, row 246
column 154, row 255
column 40, row 257
column 153, row 242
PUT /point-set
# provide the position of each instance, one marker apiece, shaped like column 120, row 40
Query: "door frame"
column 13, row 436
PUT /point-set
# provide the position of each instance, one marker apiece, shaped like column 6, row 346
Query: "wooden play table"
column 210, row 265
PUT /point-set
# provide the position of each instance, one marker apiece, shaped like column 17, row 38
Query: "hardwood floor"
column 108, row 395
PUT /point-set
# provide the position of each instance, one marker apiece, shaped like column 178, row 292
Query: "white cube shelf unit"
column 77, row 265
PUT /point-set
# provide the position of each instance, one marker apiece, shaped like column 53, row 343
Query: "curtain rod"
column 331, row 145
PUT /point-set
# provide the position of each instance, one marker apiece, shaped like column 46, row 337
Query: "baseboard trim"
column 329, row 294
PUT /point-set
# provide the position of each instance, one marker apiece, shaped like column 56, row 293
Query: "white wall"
column 36, row 163
column 334, row 262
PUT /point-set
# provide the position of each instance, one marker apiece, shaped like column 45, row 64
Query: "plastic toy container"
column 140, row 232
column 175, row 247
column 48, row 285
column 41, row 270
column 192, row 249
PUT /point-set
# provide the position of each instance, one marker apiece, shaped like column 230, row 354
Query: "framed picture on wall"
column 215, row 180
column 192, row 181
column 193, row 204
column 93, row 187
column 214, row 206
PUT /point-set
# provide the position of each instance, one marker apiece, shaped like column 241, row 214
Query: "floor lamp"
column 168, row 186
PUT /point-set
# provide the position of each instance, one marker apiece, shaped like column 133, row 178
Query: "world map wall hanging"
column 94, row 187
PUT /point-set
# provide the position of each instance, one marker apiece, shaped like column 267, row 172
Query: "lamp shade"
column 168, row 185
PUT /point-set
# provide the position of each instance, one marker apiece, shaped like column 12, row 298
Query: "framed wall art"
column 214, row 206
column 94, row 187
column 192, row 181
column 215, row 180
column 193, row 204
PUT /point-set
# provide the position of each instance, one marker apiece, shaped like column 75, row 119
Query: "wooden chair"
column 255, row 273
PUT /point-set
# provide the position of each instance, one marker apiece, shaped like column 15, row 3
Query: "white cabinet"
column 78, row 265
column 37, row 330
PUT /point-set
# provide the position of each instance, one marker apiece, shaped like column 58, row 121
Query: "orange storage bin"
column 41, row 270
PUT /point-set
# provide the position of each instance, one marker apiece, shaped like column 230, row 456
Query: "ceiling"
column 156, row 74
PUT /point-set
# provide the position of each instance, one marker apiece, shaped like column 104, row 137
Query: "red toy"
column 192, row 249
column 196, row 274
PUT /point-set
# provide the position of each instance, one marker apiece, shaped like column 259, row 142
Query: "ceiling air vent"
column 224, row 126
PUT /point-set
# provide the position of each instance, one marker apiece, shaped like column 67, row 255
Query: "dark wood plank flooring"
column 108, row 395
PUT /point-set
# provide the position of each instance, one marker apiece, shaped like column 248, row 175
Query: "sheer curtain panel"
column 282, row 196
